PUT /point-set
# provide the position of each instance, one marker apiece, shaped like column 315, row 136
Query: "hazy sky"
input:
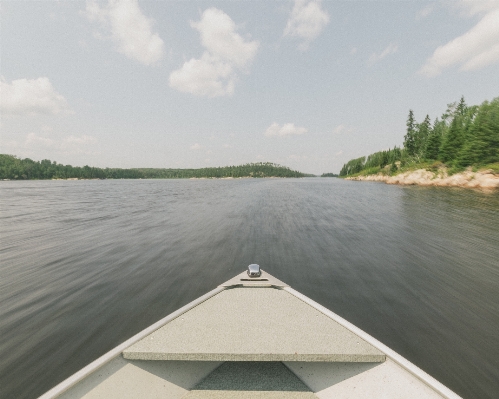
column 306, row 84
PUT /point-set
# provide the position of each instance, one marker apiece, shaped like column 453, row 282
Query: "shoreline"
column 158, row 178
column 422, row 177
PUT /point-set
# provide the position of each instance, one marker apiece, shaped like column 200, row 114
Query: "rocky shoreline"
column 422, row 177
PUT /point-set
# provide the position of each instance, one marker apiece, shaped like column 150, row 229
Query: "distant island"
column 13, row 168
column 461, row 148
column 329, row 175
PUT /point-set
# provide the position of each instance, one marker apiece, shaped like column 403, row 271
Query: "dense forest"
column 463, row 136
column 14, row 168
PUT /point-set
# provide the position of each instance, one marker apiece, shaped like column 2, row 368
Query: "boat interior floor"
column 176, row 379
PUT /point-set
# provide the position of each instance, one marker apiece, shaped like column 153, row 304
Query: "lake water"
column 87, row 264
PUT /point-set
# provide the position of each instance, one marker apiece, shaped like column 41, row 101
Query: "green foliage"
column 455, row 169
column 452, row 141
column 482, row 141
column 410, row 137
column 434, row 140
column 14, row 168
column 463, row 136
column 374, row 162
column 494, row 167
column 383, row 158
column 353, row 166
column 371, row 171
column 461, row 107
column 421, row 138
column 393, row 168
column 435, row 166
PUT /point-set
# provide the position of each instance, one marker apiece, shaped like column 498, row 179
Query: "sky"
column 308, row 84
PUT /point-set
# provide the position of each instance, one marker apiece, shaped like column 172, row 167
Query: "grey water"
column 84, row 265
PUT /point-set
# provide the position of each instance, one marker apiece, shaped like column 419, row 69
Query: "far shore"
column 140, row 178
column 485, row 179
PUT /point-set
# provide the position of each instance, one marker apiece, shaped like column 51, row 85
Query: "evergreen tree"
column 450, row 113
column 482, row 144
column 434, row 141
column 14, row 168
column 452, row 141
column 393, row 167
column 421, row 136
column 461, row 107
column 353, row 166
column 465, row 135
column 409, row 138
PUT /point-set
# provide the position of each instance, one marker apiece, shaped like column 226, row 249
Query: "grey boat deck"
column 251, row 339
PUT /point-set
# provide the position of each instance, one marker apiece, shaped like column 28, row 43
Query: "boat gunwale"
column 113, row 353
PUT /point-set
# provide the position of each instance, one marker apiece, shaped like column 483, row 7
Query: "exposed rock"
column 423, row 177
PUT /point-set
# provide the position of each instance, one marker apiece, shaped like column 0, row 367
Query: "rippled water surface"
column 87, row 264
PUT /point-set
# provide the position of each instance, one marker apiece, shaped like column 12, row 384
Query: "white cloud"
column 195, row 146
column 481, row 60
column 477, row 48
column 215, row 73
column 288, row 129
column 391, row 49
column 219, row 37
column 306, row 21
column 31, row 96
column 353, row 51
column 342, row 129
column 208, row 76
column 130, row 29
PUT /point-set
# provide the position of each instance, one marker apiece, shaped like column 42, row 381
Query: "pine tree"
column 452, row 141
column 461, row 107
column 482, row 144
column 410, row 137
column 421, row 136
column 434, row 140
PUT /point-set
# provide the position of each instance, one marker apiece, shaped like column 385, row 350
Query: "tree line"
column 463, row 136
column 14, row 168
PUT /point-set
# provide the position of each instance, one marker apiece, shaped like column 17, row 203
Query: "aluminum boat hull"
column 251, row 338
